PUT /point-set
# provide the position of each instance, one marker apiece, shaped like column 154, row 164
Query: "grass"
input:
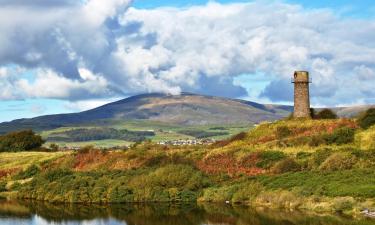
column 230, row 169
column 355, row 183
column 25, row 159
column 163, row 131
column 108, row 143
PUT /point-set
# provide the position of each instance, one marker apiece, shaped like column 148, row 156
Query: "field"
column 163, row 132
column 23, row 160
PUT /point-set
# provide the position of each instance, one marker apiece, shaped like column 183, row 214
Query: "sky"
column 62, row 56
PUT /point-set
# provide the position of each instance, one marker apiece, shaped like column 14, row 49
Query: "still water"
column 39, row 213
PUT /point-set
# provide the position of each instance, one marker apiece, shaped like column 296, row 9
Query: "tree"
column 20, row 141
column 367, row 119
column 326, row 114
column 54, row 147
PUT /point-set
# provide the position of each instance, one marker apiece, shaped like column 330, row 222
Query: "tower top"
column 301, row 77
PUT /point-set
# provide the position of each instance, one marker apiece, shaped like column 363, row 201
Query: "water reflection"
column 32, row 212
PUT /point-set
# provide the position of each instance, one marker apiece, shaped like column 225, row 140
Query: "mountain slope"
column 184, row 109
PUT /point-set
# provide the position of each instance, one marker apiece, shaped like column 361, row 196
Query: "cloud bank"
column 81, row 50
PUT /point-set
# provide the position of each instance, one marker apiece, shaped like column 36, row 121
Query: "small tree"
column 53, row 147
column 326, row 114
column 312, row 112
column 367, row 119
column 20, row 141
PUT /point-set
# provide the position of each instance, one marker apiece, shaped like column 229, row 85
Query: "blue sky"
column 355, row 8
column 109, row 52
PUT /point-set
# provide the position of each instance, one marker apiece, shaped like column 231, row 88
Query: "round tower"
column 301, row 82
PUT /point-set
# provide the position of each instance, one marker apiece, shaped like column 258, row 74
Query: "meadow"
column 162, row 132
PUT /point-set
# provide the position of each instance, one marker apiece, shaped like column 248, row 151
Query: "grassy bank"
column 320, row 165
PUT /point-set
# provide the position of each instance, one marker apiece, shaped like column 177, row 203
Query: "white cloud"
column 102, row 49
column 226, row 40
column 49, row 84
column 78, row 106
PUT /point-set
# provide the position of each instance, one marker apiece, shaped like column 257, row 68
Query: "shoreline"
column 306, row 207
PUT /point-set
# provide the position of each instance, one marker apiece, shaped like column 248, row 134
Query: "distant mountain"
column 351, row 111
column 184, row 109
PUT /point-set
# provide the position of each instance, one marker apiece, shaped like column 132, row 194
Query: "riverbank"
column 161, row 214
column 320, row 166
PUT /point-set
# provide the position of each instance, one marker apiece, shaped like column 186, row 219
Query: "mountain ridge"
column 184, row 109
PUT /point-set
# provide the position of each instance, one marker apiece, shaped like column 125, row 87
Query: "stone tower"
column 301, row 82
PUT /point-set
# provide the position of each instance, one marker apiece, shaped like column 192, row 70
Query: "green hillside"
column 162, row 109
column 317, row 165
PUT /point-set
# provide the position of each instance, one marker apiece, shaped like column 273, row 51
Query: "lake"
column 40, row 213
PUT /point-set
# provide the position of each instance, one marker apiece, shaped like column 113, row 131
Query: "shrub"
column 20, row 141
column 338, row 161
column 238, row 137
column 303, row 155
column 280, row 199
column 220, row 194
column 340, row 136
column 29, row 172
column 343, row 204
column 312, row 112
column 367, row 119
column 3, row 186
column 53, row 147
column 285, row 165
column 317, row 140
column 269, row 157
column 283, row 132
column 15, row 186
column 85, row 149
column 56, row 174
column 121, row 194
column 247, row 192
column 326, row 114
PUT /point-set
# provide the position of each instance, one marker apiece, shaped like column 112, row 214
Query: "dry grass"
column 23, row 160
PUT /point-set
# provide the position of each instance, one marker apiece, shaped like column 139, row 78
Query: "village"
column 182, row 142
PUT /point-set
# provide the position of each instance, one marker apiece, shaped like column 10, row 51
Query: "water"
column 39, row 213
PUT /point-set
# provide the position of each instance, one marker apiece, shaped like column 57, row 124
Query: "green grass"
column 108, row 143
column 163, row 131
column 356, row 183
column 25, row 159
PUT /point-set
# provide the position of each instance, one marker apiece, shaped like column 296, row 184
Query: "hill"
column 185, row 109
column 316, row 165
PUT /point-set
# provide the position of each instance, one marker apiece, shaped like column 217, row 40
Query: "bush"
column 29, row 172
column 247, row 192
column 220, row 194
column 268, row 158
column 367, row 119
column 280, row 199
column 283, row 132
column 341, row 136
column 343, row 204
column 56, row 174
column 326, row 114
column 317, row 140
column 3, row 186
column 20, row 141
column 312, row 112
column 285, row 165
column 53, row 147
column 15, row 186
column 303, row 155
column 338, row 161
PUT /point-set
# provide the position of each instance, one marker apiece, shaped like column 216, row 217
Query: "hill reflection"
column 164, row 214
